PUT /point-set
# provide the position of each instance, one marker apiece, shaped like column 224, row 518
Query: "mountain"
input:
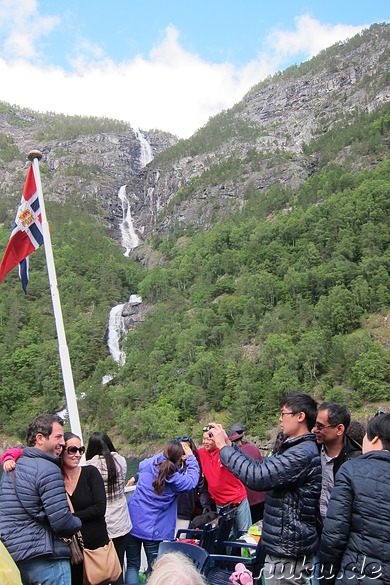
column 263, row 262
column 264, row 139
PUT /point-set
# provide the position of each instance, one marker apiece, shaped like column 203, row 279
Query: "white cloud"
column 310, row 36
column 171, row 89
column 21, row 27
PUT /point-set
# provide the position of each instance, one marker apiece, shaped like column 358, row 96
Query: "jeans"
column 243, row 519
column 133, row 556
column 44, row 571
column 120, row 543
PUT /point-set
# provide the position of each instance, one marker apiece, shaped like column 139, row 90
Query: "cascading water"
column 146, row 150
column 115, row 332
column 130, row 239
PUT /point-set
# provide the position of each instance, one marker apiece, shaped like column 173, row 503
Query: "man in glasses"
column 336, row 447
column 292, row 481
column 34, row 510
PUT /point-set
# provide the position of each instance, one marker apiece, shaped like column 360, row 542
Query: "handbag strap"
column 78, row 534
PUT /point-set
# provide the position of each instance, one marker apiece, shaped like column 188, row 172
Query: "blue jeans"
column 243, row 519
column 133, row 557
column 44, row 571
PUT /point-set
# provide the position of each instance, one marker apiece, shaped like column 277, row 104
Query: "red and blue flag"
column 26, row 235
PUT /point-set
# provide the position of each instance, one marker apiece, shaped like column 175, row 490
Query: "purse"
column 101, row 566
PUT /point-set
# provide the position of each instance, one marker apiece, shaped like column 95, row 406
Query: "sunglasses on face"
column 73, row 450
column 183, row 439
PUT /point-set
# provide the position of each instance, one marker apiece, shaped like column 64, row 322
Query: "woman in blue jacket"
column 153, row 505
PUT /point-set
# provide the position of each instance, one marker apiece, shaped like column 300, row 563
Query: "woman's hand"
column 186, row 449
column 9, row 465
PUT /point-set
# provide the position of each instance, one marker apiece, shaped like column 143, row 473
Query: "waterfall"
column 115, row 332
column 130, row 239
column 146, row 150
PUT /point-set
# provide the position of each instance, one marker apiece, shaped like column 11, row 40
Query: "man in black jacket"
column 292, row 480
column 335, row 446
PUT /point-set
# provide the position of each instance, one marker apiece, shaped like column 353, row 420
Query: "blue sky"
column 167, row 64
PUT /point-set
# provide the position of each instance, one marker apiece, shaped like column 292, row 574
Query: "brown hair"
column 173, row 452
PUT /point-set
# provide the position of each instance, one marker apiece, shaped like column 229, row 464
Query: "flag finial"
column 34, row 154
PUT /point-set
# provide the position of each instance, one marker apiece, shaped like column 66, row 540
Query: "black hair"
column 300, row 402
column 356, row 431
column 379, row 426
column 337, row 414
column 42, row 425
column 100, row 444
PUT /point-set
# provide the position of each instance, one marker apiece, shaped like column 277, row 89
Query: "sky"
column 165, row 64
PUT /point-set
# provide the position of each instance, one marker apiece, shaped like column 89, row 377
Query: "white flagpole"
column 70, row 395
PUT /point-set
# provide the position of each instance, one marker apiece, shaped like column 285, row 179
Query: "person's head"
column 191, row 443
column 377, row 437
column 298, row 414
column 73, row 451
column 280, row 437
column 356, row 431
column 331, row 423
column 101, row 445
column 46, row 433
column 175, row 568
column 173, row 453
column 207, row 440
column 236, row 433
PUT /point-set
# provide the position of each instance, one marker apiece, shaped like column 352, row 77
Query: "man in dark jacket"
column 355, row 543
column 34, row 510
column 292, row 480
column 335, row 448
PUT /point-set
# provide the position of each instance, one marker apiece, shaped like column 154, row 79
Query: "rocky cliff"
column 263, row 139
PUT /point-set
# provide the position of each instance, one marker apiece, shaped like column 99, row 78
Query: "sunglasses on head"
column 183, row 439
column 72, row 450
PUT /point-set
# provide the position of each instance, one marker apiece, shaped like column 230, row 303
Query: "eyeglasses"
column 183, row 440
column 282, row 414
column 320, row 426
column 72, row 450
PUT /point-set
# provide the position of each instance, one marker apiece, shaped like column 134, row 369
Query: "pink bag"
column 241, row 576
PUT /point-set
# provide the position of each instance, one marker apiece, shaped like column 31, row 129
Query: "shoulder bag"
column 101, row 565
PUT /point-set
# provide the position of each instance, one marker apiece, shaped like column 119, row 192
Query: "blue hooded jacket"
column 154, row 517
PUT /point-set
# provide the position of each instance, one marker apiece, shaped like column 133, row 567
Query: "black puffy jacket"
column 32, row 519
column 356, row 534
column 292, row 480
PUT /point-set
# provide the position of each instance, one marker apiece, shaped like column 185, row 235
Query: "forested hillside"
column 259, row 306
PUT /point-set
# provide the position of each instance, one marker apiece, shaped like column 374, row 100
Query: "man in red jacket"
column 236, row 434
column 223, row 486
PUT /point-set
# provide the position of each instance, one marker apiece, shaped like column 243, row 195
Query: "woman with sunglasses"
column 85, row 488
column 86, row 492
column 112, row 467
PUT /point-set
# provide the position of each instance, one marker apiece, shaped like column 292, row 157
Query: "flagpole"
column 70, row 395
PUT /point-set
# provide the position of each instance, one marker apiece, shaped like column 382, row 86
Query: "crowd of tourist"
column 321, row 494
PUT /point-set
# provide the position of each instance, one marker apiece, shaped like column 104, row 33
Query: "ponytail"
column 173, row 452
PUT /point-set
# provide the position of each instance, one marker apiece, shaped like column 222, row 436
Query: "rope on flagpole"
column 70, row 395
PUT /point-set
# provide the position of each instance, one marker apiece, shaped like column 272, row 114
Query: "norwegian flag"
column 26, row 235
